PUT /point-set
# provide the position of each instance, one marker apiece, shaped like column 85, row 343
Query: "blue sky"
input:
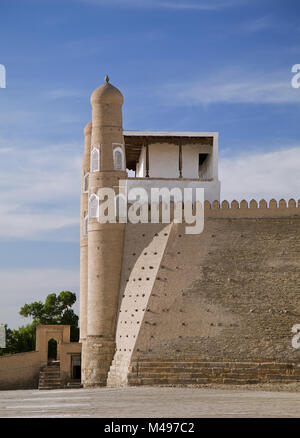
column 203, row 65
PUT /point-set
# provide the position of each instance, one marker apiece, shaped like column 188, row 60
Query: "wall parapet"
column 262, row 208
column 225, row 209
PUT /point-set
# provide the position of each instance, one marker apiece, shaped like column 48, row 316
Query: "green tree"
column 55, row 310
column 19, row 340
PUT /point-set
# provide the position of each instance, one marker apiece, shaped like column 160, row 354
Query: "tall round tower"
column 105, row 241
column 83, row 230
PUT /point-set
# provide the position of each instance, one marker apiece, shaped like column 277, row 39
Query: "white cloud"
column 261, row 175
column 39, row 190
column 233, row 86
column 20, row 286
column 6, row 150
column 258, row 24
column 62, row 93
column 200, row 5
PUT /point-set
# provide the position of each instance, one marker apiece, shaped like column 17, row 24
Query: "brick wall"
column 230, row 293
column 20, row 371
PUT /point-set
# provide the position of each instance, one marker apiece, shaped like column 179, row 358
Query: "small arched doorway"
column 52, row 349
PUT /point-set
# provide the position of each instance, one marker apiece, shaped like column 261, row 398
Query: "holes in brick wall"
column 155, row 253
column 151, row 267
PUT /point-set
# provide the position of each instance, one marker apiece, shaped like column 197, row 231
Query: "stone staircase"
column 192, row 371
column 50, row 376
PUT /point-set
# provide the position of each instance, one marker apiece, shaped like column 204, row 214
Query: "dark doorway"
column 52, row 349
column 202, row 164
column 76, row 367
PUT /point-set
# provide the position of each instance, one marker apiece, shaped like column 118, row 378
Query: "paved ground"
column 149, row 403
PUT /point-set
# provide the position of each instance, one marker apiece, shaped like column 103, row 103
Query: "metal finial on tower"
column 106, row 79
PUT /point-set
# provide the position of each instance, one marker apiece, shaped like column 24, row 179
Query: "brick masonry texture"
column 228, row 294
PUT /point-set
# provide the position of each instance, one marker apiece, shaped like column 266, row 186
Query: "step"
column 49, row 377
column 74, row 384
column 165, row 364
column 184, row 371
column 49, row 388
column 50, row 380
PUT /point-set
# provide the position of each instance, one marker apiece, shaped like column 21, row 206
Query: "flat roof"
column 170, row 133
column 134, row 141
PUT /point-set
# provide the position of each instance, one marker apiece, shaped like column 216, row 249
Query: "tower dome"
column 88, row 128
column 107, row 93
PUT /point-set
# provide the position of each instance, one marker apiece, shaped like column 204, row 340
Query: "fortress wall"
column 231, row 292
column 20, row 371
